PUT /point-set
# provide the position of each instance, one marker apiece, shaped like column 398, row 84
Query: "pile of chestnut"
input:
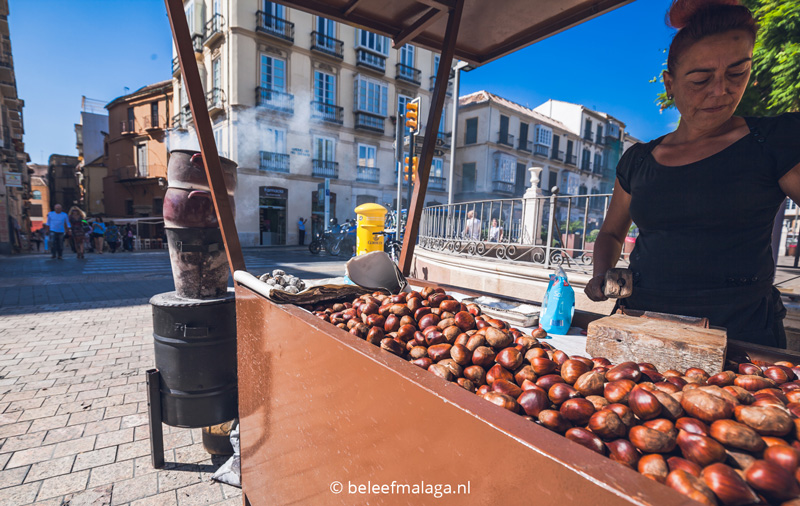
column 731, row 438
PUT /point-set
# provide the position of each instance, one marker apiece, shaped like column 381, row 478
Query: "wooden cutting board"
column 666, row 341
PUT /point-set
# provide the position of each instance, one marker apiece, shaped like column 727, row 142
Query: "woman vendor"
column 705, row 196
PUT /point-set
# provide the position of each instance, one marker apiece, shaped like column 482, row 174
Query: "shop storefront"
column 272, row 201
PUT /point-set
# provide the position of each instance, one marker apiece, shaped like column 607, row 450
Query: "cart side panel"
column 319, row 407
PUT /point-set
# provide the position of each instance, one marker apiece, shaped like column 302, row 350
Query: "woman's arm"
column 610, row 240
column 790, row 183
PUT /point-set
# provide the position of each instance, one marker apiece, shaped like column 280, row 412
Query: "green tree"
column 774, row 86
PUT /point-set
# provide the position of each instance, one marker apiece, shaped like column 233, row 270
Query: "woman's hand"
column 594, row 288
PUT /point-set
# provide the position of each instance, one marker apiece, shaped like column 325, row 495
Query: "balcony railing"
column 586, row 166
column 370, row 60
column 541, row 150
column 176, row 121
column 275, row 100
column 367, row 121
column 277, row 27
column 325, row 168
column 587, row 136
column 214, row 28
column 503, row 187
column 214, row 99
column 327, row 112
column 524, row 145
column 436, row 183
column 599, row 139
column 572, row 160
column 449, row 86
column 275, row 162
column 505, row 138
column 368, row 174
column 176, row 66
column 187, row 114
column 127, row 127
column 326, row 44
column 407, row 73
column 557, row 155
column 152, row 123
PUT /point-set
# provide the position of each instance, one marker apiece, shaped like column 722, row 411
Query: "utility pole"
column 412, row 122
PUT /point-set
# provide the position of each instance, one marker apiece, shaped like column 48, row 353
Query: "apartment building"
column 498, row 140
column 296, row 99
column 62, row 182
column 40, row 196
column 15, row 180
column 90, row 139
column 136, row 152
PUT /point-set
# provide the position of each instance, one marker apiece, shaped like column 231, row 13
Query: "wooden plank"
column 205, row 135
column 667, row 345
column 427, row 19
column 429, row 143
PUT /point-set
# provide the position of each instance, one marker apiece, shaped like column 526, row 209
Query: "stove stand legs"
column 154, row 410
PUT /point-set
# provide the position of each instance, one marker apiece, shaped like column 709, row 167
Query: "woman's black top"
column 704, row 247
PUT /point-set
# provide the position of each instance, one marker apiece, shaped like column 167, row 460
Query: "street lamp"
column 457, row 68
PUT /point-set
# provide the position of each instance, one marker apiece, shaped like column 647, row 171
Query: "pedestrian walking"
column 98, row 231
column 76, row 217
column 472, row 228
column 112, row 236
column 36, row 239
column 301, row 229
column 57, row 227
column 127, row 238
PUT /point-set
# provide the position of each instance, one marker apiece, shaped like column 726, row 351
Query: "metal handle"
column 197, row 159
column 200, row 193
column 188, row 331
column 672, row 318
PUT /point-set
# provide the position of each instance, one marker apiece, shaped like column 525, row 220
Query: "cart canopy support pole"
column 429, row 142
column 205, row 135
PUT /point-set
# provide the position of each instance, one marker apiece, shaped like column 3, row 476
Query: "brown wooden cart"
column 327, row 418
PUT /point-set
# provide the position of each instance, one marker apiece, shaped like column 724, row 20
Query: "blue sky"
column 98, row 48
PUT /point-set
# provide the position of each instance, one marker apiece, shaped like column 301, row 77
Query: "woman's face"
column 494, row 222
column 710, row 77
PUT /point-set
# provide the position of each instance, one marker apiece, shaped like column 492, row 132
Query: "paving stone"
column 135, row 420
column 102, row 426
column 98, row 496
column 86, row 416
column 14, row 429
column 25, row 404
column 132, row 450
column 74, row 446
column 114, row 438
column 50, row 468
column 111, row 473
column 135, row 488
column 22, row 442
column 61, row 485
column 164, row 499
column 95, row 458
column 202, row 493
column 178, row 477
column 31, row 414
column 52, row 422
column 21, row 494
column 63, row 434
column 9, row 418
column 13, row 477
column 31, row 456
column 4, row 457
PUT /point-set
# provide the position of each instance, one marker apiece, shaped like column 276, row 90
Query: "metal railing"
column 368, row 174
column 275, row 99
column 557, row 155
column 153, row 122
column 327, row 112
column 587, row 136
column 541, row 150
column 325, row 168
column 449, row 86
column 327, row 44
column 214, row 99
column 275, row 162
column 269, row 24
column 127, row 127
column 214, row 28
column 176, row 121
column 370, row 60
column 524, row 145
column 367, row 121
column 408, row 73
column 436, row 183
column 505, row 138
column 572, row 160
column 586, row 166
column 543, row 230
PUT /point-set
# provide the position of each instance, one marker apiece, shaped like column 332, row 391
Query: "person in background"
column 495, row 231
column 301, row 230
column 98, row 230
column 112, row 236
column 127, row 238
column 76, row 217
column 472, row 229
column 36, row 239
column 57, row 227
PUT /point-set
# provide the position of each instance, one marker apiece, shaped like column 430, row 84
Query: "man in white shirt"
column 58, row 226
column 472, row 229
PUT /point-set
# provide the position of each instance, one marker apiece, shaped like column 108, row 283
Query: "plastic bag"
column 558, row 305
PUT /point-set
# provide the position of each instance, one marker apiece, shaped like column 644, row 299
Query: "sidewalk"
column 73, row 413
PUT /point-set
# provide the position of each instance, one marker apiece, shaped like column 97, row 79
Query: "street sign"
column 436, row 152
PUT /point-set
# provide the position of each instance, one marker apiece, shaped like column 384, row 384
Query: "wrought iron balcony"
column 505, row 138
column 371, row 122
column 327, row 112
column 176, row 67
column 586, row 166
column 214, row 28
column 214, row 100
column 277, row 27
column 407, row 73
column 275, row 100
column 127, row 127
column 557, row 155
column 502, row 187
column 436, row 183
column 327, row 45
column 187, row 114
column 449, row 86
column 152, row 123
column 524, row 145
column 325, row 168
column 541, row 150
column 275, row 162
column 572, row 160
column 599, row 139
column 587, row 136
column 368, row 174
column 370, row 60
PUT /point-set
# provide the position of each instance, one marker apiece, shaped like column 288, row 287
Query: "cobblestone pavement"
column 75, row 342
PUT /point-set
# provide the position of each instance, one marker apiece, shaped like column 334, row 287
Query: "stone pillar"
column 533, row 209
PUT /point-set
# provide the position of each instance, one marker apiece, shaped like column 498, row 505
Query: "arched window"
column 37, row 195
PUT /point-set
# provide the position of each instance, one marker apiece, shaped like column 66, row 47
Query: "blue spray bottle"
column 558, row 305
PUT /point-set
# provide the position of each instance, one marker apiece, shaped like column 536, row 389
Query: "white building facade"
column 295, row 99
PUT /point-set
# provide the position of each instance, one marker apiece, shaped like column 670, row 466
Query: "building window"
column 366, row 155
column 275, row 10
column 372, row 41
column 129, row 208
column 324, row 149
column 598, row 163
column 471, row 134
column 141, row 160
column 599, row 138
column 371, row 96
column 158, row 207
column 131, row 120
column 273, row 73
column 154, row 114
column 552, row 179
column 505, row 168
column 366, row 199
column 407, row 55
column 216, row 76
column 437, row 167
column 544, row 135
column 468, row 177
column 585, row 161
column 37, row 195
column 324, row 88
column 326, row 27
column 587, row 130
column 275, row 140
column 523, row 136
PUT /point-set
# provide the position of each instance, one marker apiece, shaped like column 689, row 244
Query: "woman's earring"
column 671, row 97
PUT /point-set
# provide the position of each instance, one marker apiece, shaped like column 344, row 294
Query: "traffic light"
column 414, row 167
column 405, row 170
column 412, row 115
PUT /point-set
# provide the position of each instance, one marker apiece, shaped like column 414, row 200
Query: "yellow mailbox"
column 370, row 220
